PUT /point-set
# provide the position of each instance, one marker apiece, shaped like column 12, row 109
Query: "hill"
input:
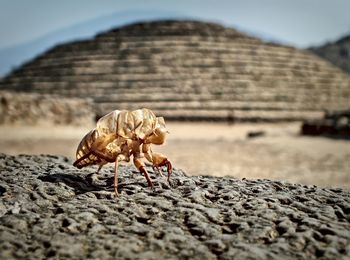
column 337, row 53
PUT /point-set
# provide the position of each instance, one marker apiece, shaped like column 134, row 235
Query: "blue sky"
column 29, row 27
column 298, row 22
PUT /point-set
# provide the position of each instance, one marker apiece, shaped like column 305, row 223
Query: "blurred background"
column 249, row 89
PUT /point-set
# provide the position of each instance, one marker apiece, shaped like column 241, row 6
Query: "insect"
column 120, row 135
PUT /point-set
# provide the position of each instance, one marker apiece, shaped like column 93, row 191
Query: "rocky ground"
column 50, row 209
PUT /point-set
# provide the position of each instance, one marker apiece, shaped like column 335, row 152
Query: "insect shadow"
column 78, row 183
column 83, row 184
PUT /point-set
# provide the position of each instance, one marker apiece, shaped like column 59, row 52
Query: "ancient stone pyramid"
column 188, row 70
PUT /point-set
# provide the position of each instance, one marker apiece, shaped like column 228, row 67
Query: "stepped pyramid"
column 188, row 70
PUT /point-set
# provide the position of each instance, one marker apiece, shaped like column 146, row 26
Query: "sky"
column 299, row 23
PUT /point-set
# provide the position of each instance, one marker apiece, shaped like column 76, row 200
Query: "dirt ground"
column 216, row 149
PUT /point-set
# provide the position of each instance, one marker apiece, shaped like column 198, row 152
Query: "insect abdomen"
column 84, row 155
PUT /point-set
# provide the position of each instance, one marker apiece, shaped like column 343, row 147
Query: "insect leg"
column 99, row 168
column 116, row 176
column 146, row 149
column 156, row 168
column 141, row 167
column 168, row 166
column 160, row 160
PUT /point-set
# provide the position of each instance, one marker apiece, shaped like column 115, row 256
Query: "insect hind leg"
column 99, row 168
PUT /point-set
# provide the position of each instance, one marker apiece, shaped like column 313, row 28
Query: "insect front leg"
column 160, row 160
column 157, row 159
column 146, row 149
column 141, row 167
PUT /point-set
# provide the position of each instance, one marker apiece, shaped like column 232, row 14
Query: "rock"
column 61, row 212
column 254, row 134
column 334, row 124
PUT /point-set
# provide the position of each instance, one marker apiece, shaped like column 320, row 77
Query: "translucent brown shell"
column 120, row 135
column 84, row 154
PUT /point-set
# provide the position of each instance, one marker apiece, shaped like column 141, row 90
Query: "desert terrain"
column 217, row 149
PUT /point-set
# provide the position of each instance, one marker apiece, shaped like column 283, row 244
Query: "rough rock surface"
column 50, row 209
column 39, row 109
column 188, row 70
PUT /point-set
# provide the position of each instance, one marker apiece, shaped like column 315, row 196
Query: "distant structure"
column 337, row 52
column 188, row 70
column 28, row 109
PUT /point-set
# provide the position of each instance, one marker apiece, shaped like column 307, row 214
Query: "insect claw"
column 151, row 187
column 156, row 169
column 169, row 167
